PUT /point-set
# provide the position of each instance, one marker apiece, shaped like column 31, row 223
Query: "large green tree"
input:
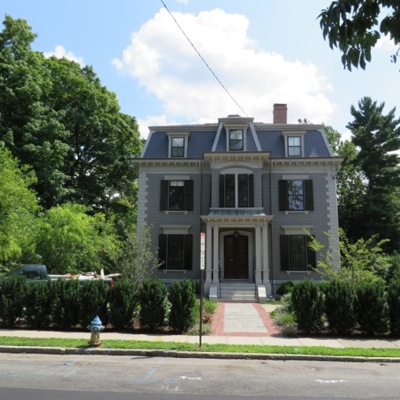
column 354, row 26
column 377, row 139
column 18, row 206
column 58, row 118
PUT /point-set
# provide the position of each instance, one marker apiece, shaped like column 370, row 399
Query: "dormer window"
column 178, row 144
column 294, row 146
column 236, row 142
column 294, row 143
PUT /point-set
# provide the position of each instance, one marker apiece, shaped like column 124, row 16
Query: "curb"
column 188, row 354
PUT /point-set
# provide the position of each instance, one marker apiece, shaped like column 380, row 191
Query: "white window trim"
column 297, row 229
column 237, row 172
column 184, row 135
column 287, row 134
column 176, row 229
column 234, row 127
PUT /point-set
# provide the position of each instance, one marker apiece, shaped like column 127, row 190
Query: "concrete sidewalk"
column 233, row 323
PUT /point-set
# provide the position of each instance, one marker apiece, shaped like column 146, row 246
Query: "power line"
column 202, row 58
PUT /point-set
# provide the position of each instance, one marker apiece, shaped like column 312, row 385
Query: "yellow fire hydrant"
column 95, row 328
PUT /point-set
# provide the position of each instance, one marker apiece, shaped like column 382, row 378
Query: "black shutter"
column 309, row 195
column 162, row 250
column 222, row 190
column 251, row 190
column 164, row 195
column 188, row 195
column 283, row 195
column 284, row 250
column 188, row 256
column 311, row 255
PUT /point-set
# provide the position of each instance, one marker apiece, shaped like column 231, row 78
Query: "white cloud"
column 61, row 52
column 164, row 62
column 384, row 43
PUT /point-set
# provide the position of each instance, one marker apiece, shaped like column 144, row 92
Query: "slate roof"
column 269, row 137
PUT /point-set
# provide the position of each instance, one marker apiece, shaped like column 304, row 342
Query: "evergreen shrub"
column 372, row 307
column 182, row 298
column 12, row 293
column 93, row 297
column 285, row 288
column 123, row 302
column 394, row 306
column 339, row 306
column 307, row 305
column 37, row 304
column 153, row 299
column 66, row 309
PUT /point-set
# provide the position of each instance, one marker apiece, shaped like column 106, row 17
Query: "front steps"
column 237, row 291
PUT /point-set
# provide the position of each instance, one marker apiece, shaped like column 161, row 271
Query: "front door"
column 236, row 257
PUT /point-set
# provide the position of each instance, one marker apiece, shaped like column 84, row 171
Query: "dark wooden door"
column 236, row 257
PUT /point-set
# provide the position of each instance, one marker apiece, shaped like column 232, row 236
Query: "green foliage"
column 372, row 307
column 355, row 27
column 123, row 303
column 137, row 261
column 12, row 291
column 153, row 297
column 394, row 306
column 37, row 304
column 307, row 304
column 94, row 299
column 339, row 306
column 71, row 241
column 183, row 300
column 66, row 303
column 285, row 288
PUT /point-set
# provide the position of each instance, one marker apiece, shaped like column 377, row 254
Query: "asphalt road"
column 49, row 377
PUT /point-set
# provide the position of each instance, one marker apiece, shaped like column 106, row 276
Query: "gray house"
column 256, row 190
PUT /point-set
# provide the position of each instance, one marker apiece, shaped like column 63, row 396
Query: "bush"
column 123, row 302
column 307, row 304
column 67, row 304
column 93, row 298
column 11, row 300
column 183, row 300
column 372, row 307
column 285, row 288
column 153, row 297
column 394, row 306
column 38, row 303
column 339, row 306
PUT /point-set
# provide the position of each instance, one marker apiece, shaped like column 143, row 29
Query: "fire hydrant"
column 95, row 328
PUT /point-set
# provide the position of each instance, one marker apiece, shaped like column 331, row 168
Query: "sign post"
column 202, row 267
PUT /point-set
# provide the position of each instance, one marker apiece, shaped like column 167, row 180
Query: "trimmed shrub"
column 307, row 304
column 93, row 298
column 66, row 309
column 372, row 307
column 12, row 294
column 183, row 301
column 123, row 302
column 285, row 288
column 38, row 303
column 339, row 306
column 394, row 306
column 153, row 298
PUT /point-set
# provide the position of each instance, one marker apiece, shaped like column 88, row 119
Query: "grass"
column 219, row 348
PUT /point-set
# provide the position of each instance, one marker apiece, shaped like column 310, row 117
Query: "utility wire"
column 204, row 61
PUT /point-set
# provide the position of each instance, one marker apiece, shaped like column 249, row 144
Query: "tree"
column 57, row 117
column 71, row 241
column 18, row 207
column 377, row 139
column 354, row 26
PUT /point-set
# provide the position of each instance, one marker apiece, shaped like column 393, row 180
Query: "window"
column 236, row 140
column 177, row 147
column 175, row 251
column 296, row 195
column 296, row 255
column 294, row 146
column 236, row 190
column 176, row 195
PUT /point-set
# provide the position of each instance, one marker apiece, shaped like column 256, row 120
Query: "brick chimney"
column 280, row 114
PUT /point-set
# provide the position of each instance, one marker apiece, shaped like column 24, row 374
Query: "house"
column 256, row 190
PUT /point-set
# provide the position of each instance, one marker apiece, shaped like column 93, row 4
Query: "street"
column 47, row 377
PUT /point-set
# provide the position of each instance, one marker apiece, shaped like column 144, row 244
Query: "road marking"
column 191, row 379
column 331, row 380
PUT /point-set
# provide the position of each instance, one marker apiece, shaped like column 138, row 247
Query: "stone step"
column 238, row 291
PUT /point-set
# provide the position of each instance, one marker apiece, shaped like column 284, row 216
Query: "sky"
column 254, row 53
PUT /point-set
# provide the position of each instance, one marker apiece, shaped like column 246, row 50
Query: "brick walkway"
column 243, row 319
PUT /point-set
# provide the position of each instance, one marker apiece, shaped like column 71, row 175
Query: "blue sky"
column 264, row 52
